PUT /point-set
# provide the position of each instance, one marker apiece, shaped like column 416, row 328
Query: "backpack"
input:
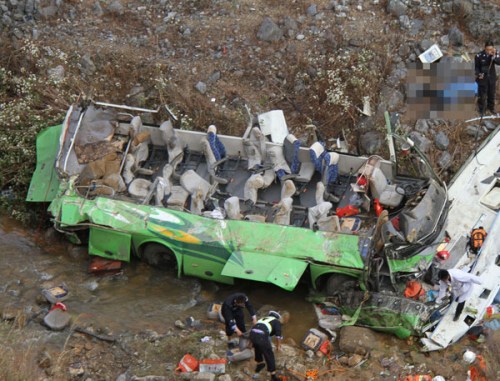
column 477, row 237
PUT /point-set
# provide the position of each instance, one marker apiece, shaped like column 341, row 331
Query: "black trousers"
column 486, row 93
column 239, row 317
column 263, row 349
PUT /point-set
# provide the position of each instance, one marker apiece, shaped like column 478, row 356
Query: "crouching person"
column 260, row 336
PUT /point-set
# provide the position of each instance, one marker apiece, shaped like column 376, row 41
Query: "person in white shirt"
column 461, row 287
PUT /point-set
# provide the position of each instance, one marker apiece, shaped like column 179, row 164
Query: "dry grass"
column 18, row 355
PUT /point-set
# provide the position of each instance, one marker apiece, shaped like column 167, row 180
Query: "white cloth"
column 461, row 285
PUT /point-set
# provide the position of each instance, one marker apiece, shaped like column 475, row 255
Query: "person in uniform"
column 484, row 64
column 232, row 311
column 260, row 336
column 461, row 287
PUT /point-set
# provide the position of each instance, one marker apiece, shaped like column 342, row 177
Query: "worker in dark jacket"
column 484, row 65
column 233, row 314
column 260, row 336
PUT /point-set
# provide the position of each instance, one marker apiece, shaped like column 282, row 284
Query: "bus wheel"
column 159, row 256
column 340, row 283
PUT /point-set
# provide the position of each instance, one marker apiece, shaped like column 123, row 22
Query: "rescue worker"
column 260, row 336
column 233, row 314
column 461, row 287
column 484, row 65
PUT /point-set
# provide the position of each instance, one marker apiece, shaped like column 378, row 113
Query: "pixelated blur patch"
column 441, row 90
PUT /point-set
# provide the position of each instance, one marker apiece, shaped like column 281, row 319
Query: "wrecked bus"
column 266, row 207
column 262, row 207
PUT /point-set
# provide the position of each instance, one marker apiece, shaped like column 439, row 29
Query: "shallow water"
column 139, row 298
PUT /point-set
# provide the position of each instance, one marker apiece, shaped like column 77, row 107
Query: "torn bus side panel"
column 384, row 312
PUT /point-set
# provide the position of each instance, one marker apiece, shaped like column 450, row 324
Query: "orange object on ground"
column 418, row 377
column 187, row 364
column 347, row 211
column 325, row 348
column 413, row 290
column 100, row 265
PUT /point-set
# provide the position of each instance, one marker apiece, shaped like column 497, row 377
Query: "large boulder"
column 357, row 340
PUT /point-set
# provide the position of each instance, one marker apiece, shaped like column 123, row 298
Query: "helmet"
column 469, row 356
column 275, row 314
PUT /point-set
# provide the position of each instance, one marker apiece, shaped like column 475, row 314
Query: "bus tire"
column 340, row 283
column 160, row 256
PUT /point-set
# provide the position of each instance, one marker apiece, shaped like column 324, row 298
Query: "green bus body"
column 220, row 250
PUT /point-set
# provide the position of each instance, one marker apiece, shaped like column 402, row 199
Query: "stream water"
column 139, row 298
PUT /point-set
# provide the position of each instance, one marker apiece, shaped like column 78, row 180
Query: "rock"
column 371, row 142
column 396, row 8
column 354, row 360
column 29, row 7
column 6, row 20
column 115, row 8
column 416, row 25
column 392, row 98
column 214, row 77
column 224, row 377
column 444, row 160
column 426, row 44
column 123, row 377
column 447, row 7
column 312, row 10
column 76, row 370
column 97, row 9
column 300, row 37
column 204, row 376
column 421, row 141
column 269, row 31
column 288, row 351
column 201, row 87
column 387, row 361
column 357, row 340
column 462, row 8
column 56, row 74
column 289, row 25
column 158, row 378
column 179, row 324
column 474, row 131
column 87, row 66
column 489, row 125
column 404, row 22
column 441, row 140
column 422, row 126
column 456, row 37
column 47, row 12
column 57, row 319
column 417, row 358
